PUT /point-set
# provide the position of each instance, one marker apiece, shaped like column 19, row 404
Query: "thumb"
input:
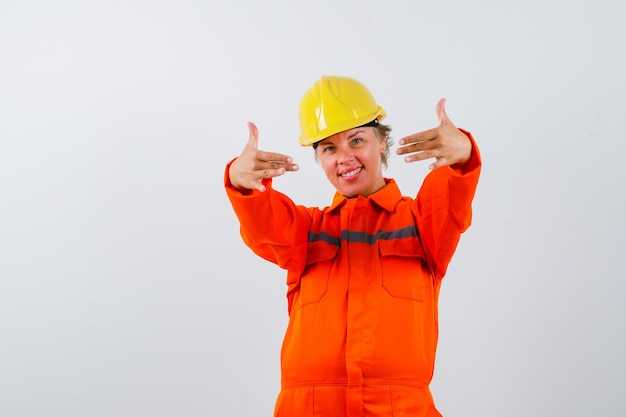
column 253, row 139
column 441, row 112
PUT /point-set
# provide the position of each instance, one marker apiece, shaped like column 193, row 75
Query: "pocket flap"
column 408, row 247
column 320, row 251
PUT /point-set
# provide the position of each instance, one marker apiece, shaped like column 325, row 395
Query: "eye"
column 328, row 149
column 356, row 141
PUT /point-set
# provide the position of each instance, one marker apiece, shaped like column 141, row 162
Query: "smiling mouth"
column 352, row 173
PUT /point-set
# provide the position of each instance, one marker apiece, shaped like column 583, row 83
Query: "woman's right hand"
column 252, row 165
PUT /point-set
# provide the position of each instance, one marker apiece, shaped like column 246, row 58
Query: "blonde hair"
column 382, row 133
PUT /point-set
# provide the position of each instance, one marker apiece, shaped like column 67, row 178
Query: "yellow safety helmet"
column 335, row 104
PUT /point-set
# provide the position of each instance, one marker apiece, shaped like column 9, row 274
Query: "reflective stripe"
column 362, row 237
column 324, row 237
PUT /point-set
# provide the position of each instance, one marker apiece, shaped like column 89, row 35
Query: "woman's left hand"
column 446, row 143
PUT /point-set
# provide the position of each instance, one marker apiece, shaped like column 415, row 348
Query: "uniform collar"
column 386, row 198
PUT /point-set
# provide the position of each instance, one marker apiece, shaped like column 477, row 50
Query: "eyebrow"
column 358, row 132
column 324, row 141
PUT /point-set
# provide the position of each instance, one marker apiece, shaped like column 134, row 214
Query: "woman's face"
column 352, row 161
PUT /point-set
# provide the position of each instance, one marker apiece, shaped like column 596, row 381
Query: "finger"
column 267, row 173
column 273, row 172
column 274, row 160
column 439, row 162
column 258, row 185
column 253, row 139
column 279, row 158
column 418, row 147
column 268, row 170
column 419, row 137
column 441, row 112
column 420, row 156
column 274, row 166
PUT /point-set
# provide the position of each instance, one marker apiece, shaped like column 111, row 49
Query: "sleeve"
column 271, row 225
column 443, row 208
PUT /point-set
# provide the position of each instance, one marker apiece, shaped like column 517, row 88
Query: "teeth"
column 351, row 173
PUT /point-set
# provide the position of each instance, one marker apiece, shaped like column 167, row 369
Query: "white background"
column 125, row 289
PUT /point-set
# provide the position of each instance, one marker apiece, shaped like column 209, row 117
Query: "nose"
column 344, row 155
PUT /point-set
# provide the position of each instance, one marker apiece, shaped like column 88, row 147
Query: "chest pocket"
column 404, row 271
column 320, row 259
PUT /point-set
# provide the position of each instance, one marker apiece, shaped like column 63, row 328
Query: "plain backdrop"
column 125, row 288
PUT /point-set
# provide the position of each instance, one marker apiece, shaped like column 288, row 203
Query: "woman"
column 364, row 273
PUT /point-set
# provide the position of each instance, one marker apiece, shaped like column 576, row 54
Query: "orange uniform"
column 363, row 280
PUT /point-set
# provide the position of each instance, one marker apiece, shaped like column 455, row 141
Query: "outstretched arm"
column 270, row 222
column 443, row 206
